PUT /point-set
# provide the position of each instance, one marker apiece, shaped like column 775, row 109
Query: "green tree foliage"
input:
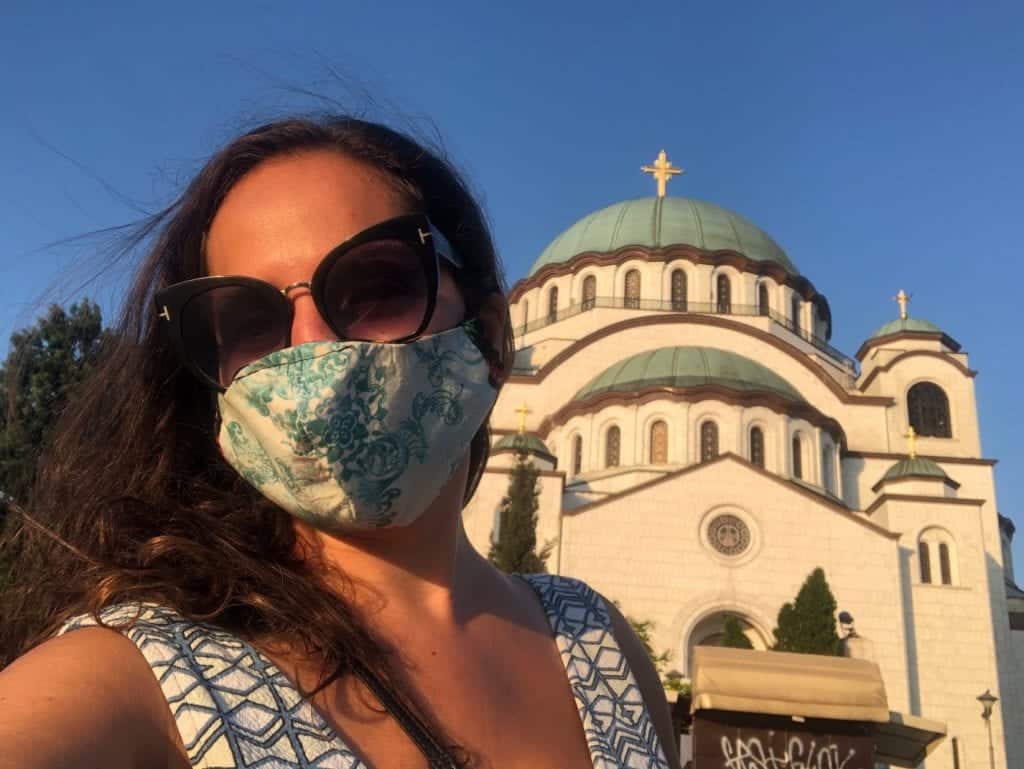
column 642, row 628
column 732, row 635
column 515, row 550
column 808, row 625
column 45, row 363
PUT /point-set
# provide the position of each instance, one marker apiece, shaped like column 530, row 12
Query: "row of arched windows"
column 709, row 449
column 678, row 292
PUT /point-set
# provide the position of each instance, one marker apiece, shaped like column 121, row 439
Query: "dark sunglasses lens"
column 377, row 291
column 229, row 327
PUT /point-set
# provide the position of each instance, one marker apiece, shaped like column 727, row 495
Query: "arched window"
column 659, row 443
column 798, row 458
column 924, row 557
column 526, row 313
column 708, row 441
column 928, row 409
column 577, row 455
column 757, row 446
column 589, row 292
column 763, row 305
column 944, row 568
column 633, row 289
column 723, row 294
column 794, row 312
column 611, row 447
column 828, row 470
column 553, row 304
column 932, row 542
column 678, row 291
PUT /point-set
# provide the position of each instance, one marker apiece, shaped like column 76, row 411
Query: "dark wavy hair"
column 133, row 500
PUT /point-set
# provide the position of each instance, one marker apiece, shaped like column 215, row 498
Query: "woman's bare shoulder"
column 87, row 698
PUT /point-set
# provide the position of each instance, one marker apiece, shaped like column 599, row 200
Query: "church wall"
column 646, row 551
column 959, row 622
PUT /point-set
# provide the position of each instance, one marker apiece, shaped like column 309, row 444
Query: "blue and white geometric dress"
column 236, row 710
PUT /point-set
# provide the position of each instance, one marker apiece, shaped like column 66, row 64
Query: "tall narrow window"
column 633, row 289
column 526, row 313
column 553, row 304
column 928, row 409
column 708, row 441
column 798, row 459
column 611, row 447
column 589, row 292
column 794, row 312
column 577, row 455
column 723, row 294
column 924, row 556
column 757, row 446
column 659, row 443
column 828, row 470
column 763, row 305
column 678, row 291
column 944, row 568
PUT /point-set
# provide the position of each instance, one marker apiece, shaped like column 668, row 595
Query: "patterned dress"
column 236, row 710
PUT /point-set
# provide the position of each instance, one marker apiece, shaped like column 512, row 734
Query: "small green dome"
column 534, row 445
column 658, row 222
column 688, row 367
column 916, row 467
column 910, row 324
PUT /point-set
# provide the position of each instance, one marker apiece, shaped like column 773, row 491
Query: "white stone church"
column 703, row 448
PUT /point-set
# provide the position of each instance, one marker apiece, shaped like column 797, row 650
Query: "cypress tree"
column 808, row 625
column 732, row 635
column 515, row 550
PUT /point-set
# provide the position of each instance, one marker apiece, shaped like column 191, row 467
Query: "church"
column 703, row 448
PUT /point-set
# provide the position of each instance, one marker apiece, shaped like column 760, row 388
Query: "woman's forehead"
column 295, row 209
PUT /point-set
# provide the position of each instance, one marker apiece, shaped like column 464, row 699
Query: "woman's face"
column 280, row 220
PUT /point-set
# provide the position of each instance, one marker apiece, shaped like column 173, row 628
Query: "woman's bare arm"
column 86, row 700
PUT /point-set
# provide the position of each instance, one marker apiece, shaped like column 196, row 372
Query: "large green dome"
column 688, row 367
column 658, row 222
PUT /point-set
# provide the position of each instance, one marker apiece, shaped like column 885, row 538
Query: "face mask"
column 354, row 435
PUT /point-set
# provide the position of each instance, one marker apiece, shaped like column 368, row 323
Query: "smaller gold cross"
column 911, row 436
column 662, row 171
column 902, row 299
column 522, row 411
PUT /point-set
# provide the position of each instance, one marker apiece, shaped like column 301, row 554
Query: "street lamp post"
column 987, row 700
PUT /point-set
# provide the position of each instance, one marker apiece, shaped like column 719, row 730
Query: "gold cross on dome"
column 662, row 171
column 911, row 436
column 522, row 411
column 902, row 299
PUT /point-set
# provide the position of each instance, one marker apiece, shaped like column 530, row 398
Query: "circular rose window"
column 728, row 534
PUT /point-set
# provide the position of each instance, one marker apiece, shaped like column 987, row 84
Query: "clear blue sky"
column 879, row 143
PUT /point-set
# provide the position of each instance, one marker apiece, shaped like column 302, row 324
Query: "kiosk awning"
column 811, row 686
column 784, row 684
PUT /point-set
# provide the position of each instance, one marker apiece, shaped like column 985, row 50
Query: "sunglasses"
column 378, row 286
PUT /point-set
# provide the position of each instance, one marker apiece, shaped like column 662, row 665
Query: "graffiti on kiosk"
column 749, row 753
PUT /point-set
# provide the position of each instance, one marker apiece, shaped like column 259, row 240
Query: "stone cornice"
column 692, row 254
column 919, row 336
column 931, row 500
column 915, row 354
column 853, row 454
column 771, row 401
column 704, row 320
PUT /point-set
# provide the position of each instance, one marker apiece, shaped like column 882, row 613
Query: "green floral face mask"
column 352, row 435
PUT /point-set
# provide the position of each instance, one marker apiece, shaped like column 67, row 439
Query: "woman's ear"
column 495, row 325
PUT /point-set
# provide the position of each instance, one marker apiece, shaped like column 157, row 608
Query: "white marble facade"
column 640, row 531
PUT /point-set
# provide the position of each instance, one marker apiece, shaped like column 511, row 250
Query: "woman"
column 251, row 517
